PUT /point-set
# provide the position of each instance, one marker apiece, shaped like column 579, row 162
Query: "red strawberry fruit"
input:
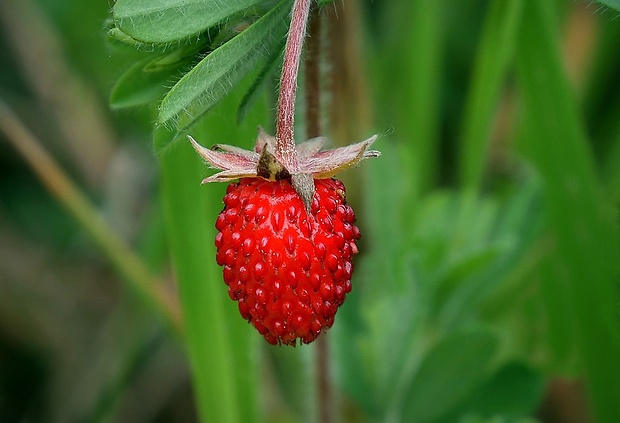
column 286, row 236
column 288, row 270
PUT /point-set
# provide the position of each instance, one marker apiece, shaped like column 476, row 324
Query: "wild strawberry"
column 288, row 270
column 286, row 236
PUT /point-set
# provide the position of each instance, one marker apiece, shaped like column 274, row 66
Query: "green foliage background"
column 486, row 289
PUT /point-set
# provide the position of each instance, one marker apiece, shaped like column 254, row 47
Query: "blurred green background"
column 486, row 289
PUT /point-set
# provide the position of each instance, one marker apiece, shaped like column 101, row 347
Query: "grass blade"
column 411, row 73
column 586, row 239
column 494, row 54
column 222, row 347
column 209, row 345
column 58, row 183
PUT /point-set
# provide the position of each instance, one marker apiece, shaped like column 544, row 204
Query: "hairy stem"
column 313, row 81
column 285, row 139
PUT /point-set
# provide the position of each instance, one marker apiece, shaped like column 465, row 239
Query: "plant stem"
column 324, row 396
column 313, row 129
column 313, row 81
column 285, row 138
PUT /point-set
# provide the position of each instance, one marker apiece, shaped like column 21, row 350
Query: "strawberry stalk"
column 277, row 158
column 313, row 129
column 288, row 270
column 286, row 152
column 312, row 73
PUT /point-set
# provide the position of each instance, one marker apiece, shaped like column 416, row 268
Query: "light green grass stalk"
column 494, row 54
column 410, row 70
column 222, row 347
column 190, row 237
column 587, row 247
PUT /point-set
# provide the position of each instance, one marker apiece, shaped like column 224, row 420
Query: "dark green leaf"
column 469, row 265
column 166, row 21
column 118, row 36
column 502, row 238
column 293, row 370
column 355, row 373
column 144, row 82
column 513, row 392
column 255, row 89
column 449, row 373
column 209, row 81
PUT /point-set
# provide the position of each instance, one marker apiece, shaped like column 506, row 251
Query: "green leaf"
column 513, row 392
column 373, row 368
column 118, row 36
column 263, row 77
column 355, row 371
column 614, row 4
column 468, row 266
column 498, row 246
column 209, row 81
column 166, row 21
column 146, row 81
column 450, row 372
column 295, row 374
